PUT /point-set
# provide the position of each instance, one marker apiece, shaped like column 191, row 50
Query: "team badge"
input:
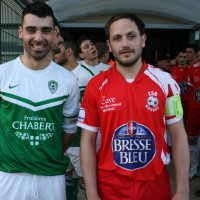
column 53, row 86
column 132, row 128
column 152, row 101
column 133, row 146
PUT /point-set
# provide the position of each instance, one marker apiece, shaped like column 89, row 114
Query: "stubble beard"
column 37, row 55
column 62, row 61
column 129, row 63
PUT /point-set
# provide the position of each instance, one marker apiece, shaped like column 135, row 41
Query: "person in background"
column 192, row 51
column 103, row 52
column 174, row 61
column 89, row 55
column 67, row 57
column 191, row 59
column 131, row 104
column 164, row 62
column 178, row 72
column 193, row 125
column 39, row 109
column 57, row 39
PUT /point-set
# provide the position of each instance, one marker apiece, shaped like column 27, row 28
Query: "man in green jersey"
column 67, row 57
column 89, row 56
column 39, row 103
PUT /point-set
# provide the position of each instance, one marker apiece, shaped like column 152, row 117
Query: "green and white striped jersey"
column 35, row 106
column 94, row 70
column 83, row 76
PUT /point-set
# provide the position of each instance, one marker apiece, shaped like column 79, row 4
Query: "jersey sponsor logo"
column 53, row 86
column 109, row 104
column 197, row 95
column 13, row 86
column 152, row 101
column 133, row 146
column 25, row 129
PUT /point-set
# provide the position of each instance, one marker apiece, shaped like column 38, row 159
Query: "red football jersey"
column 194, row 82
column 185, row 85
column 131, row 118
column 178, row 74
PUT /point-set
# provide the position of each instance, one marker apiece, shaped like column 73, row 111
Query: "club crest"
column 53, row 86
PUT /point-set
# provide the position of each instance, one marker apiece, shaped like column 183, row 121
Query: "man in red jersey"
column 191, row 58
column 131, row 104
column 178, row 72
column 194, row 116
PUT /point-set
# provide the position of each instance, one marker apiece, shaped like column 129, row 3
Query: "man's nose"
column 38, row 36
column 124, row 42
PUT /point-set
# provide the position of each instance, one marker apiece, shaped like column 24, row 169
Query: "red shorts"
column 193, row 122
column 112, row 186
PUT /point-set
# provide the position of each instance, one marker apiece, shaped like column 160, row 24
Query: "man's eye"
column 116, row 38
column 131, row 36
column 46, row 30
column 30, row 30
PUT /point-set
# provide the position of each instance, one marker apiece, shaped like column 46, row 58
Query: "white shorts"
column 74, row 154
column 22, row 186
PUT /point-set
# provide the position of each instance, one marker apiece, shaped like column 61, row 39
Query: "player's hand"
column 181, row 196
column 93, row 198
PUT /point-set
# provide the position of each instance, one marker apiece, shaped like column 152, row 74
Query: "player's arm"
column 67, row 140
column 89, row 163
column 70, row 116
column 180, row 152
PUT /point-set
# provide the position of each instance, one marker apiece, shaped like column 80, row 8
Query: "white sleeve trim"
column 87, row 127
column 174, row 120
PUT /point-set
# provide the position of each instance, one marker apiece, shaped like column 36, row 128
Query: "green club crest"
column 53, row 86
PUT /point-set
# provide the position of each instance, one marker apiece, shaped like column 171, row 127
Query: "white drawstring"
column 35, row 191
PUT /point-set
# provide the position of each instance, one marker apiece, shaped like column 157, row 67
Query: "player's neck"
column 71, row 65
column 182, row 66
column 34, row 64
column 129, row 72
column 93, row 62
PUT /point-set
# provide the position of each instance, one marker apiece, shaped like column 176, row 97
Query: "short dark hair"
column 193, row 46
column 40, row 10
column 70, row 42
column 181, row 50
column 102, row 48
column 81, row 39
column 139, row 23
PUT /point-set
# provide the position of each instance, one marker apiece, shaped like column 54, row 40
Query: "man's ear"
column 81, row 55
column 108, row 43
column 20, row 32
column 68, row 51
column 144, row 37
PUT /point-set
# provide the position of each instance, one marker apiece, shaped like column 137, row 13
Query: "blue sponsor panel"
column 133, row 146
column 197, row 95
column 184, row 87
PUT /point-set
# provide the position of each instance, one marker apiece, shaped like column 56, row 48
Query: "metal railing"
column 10, row 17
